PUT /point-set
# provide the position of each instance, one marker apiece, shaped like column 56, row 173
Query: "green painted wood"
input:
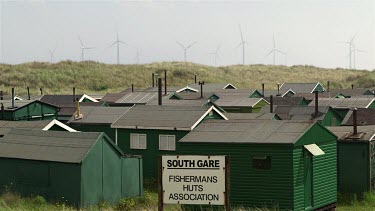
column 32, row 112
column 111, row 132
column 307, row 179
column 332, row 118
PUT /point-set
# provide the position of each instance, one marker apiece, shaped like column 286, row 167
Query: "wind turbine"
column 186, row 48
column 353, row 50
column 137, row 56
column 83, row 48
column 52, row 56
column 350, row 44
column 243, row 42
column 274, row 50
column 118, row 47
column 216, row 55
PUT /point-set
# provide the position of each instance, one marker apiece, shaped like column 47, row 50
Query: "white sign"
column 193, row 179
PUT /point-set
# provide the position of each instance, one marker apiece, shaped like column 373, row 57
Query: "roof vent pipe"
column 2, row 111
column 278, row 89
column 165, row 82
column 74, row 94
column 1, row 95
column 78, row 114
column 352, row 86
column 28, row 93
column 316, row 103
column 41, row 91
column 132, row 88
column 328, row 89
column 201, row 84
column 271, row 104
column 159, row 92
column 355, row 132
column 12, row 97
column 195, row 78
column 262, row 89
column 153, row 80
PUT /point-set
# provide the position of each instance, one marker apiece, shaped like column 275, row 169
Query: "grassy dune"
column 93, row 77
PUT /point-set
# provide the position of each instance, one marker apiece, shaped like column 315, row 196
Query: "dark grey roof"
column 248, row 131
column 47, row 145
column 365, row 116
column 301, row 112
column 59, row 99
column 210, row 87
column 311, row 96
column 261, row 116
column 161, row 117
column 6, row 126
column 20, row 103
column 350, row 92
column 344, row 102
column 113, row 97
column 293, row 101
column 69, row 108
column 298, row 87
column 174, row 102
column 365, row 133
column 237, row 101
column 269, row 92
column 99, row 115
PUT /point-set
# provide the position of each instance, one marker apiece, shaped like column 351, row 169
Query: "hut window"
column 167, row 142
column 138, row 141
column 262, row 162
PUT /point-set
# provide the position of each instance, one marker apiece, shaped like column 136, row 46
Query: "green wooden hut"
column 151, row 131
column 290, row 165
column 355, row 159
column 75, row 168
column 97, row 119
column 29, row 110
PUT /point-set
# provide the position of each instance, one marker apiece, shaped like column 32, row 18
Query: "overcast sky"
column 309, row 31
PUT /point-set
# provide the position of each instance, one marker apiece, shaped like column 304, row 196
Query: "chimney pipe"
column 159, row 92
column 153, row 80
column 1, row 95
column 28, row 93
column 74, row 94
column 278, row 89
column 2, row 111
column 12, row 97
column 262, row 89
column 271, row 103
column 316, row 103
column 132, row 88
column 201, row 84
column 355, row 132
column 78, row 114
column 165, row 82
column 195, row 78
column 328, row 83
column 352, row 86
column 41, row 91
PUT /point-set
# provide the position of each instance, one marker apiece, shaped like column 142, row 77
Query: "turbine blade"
column 191, row 44
column 239, row 26
column 351, row 41
column 274, row 45
column 270, row 52
column 89, row 47
column 181, row 45
column 359, row 50
column 112, row 44
column 80, row 40
column 240, row 44
column 280, row 51
column 123, row 42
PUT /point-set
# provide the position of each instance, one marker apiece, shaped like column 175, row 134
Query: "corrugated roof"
column 365, row 133
column 113, row 97
column 161, row 117
column 59, row 99
column 344, row 102
column 47, row 145
column 365, row 116
column 174, row 102
column 137, row 97
column 20, row 103
column 237, row 101
column 210, row 87
column 311, row 96
column 349, row 92
column 248, row 131
column 298, row 87
column 99, row 115
column 68, row 109
column 293, row 101
column 300, row 112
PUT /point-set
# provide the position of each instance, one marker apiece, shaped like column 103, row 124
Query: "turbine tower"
column 52, row 55
column 216, row 55
column 83, row 48
column 243, row 42
column 274, row 50
column 186, row 48
column 118, row 42
column 353, row 50
column 350, row 44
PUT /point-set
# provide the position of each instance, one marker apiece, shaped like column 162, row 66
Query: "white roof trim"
column 18, row 98
column 88, row 97
column 205, row 114
column 187, row 87
column 370, row 102
column 372, row 137
column 314, row 149
column 289, row 90
column 60, row 124
column 259, row 101
column 228, row 85
column 316, row 86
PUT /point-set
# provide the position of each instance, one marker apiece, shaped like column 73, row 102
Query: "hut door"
column 308, row 178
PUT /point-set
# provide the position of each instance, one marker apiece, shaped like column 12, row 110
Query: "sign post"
column 193, row 179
